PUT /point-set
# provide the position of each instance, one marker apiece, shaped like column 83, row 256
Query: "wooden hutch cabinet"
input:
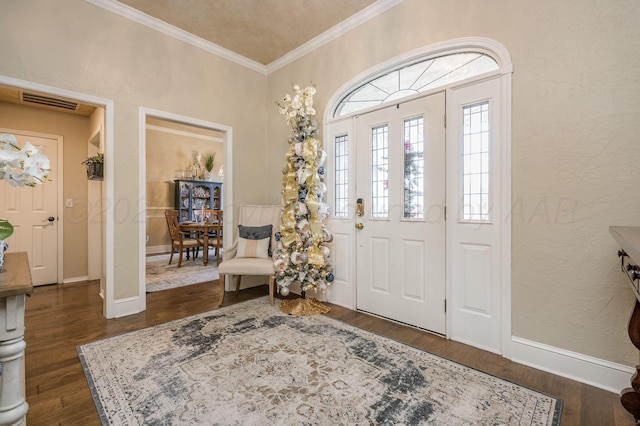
column 196, row 194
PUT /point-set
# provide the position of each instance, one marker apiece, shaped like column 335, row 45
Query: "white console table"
column 15, row 284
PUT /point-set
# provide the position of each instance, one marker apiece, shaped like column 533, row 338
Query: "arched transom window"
column 415, row 78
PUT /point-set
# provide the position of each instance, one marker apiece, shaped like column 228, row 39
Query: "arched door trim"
column 500, row 54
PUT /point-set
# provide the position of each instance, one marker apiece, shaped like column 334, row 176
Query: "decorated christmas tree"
column 302, row 255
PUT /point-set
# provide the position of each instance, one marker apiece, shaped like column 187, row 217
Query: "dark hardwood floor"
column 60, row 317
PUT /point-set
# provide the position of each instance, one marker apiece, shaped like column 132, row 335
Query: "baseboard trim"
column 75, row 279
column 158, row 249
column 592, row 371
column 128, row 306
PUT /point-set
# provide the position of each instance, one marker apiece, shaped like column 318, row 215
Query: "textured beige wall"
column 575, row 128
column 166, row 153
column 82, row 47
column 75, row 133
column 576, row 103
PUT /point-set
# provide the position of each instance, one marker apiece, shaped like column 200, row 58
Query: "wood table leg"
column 630, row 397
column 205, row 249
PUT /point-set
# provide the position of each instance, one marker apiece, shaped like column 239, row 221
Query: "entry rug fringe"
column 251, row 364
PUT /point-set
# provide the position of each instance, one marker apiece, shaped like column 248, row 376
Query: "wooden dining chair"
column 180, row 240
column 215, row 233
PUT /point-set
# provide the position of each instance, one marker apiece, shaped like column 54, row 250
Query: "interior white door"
column 400, row 239
column 33, row 212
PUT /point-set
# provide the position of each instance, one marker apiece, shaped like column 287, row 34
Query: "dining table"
column 203, row 229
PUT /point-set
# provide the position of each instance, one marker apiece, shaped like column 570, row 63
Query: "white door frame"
column 227, row 188
column 94, row 208
column 108, row 105
column 505, row 68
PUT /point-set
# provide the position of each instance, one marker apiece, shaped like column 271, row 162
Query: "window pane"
column 380, row 171
column 414, row 78
column 475, row 162
column 342, row 177
column 414, row 168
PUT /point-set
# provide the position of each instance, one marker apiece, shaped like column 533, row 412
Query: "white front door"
column 33, row 212
column 400, row 236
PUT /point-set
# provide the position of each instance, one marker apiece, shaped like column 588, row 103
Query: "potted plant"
column 95, row 166
column 6, row 230
column 209, row 160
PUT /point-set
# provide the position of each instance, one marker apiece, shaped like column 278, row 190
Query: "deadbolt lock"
column 360, row 207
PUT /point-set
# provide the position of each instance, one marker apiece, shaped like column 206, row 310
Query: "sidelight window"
column 475, row 162
column 342, row 176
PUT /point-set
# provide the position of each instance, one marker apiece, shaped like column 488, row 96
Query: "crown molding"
column 364, row 15
column 164, row 129
column 161, row 26
column 359, row 18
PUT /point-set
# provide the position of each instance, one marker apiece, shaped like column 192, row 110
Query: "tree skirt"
column 251, row 364
column 162, row 276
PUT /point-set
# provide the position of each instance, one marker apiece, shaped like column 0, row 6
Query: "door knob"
column 359, row 226
column 51, row 218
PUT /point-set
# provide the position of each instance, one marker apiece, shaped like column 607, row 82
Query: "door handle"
column 359, row 226
column 51, row 218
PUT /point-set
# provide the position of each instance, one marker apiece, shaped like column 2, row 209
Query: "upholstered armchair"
column 254, row 241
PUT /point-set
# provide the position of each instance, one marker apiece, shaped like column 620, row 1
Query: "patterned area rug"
column 162, row 276
column 250, row 364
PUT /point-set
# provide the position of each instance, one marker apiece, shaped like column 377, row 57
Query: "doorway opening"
column 97, row 110
column 170, row 145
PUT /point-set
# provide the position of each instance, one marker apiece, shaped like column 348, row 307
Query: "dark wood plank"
column 61, row 317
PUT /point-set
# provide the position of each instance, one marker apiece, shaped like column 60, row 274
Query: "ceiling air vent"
column 48, row 101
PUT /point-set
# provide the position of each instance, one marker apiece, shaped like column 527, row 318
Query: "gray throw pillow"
column 256, row 233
